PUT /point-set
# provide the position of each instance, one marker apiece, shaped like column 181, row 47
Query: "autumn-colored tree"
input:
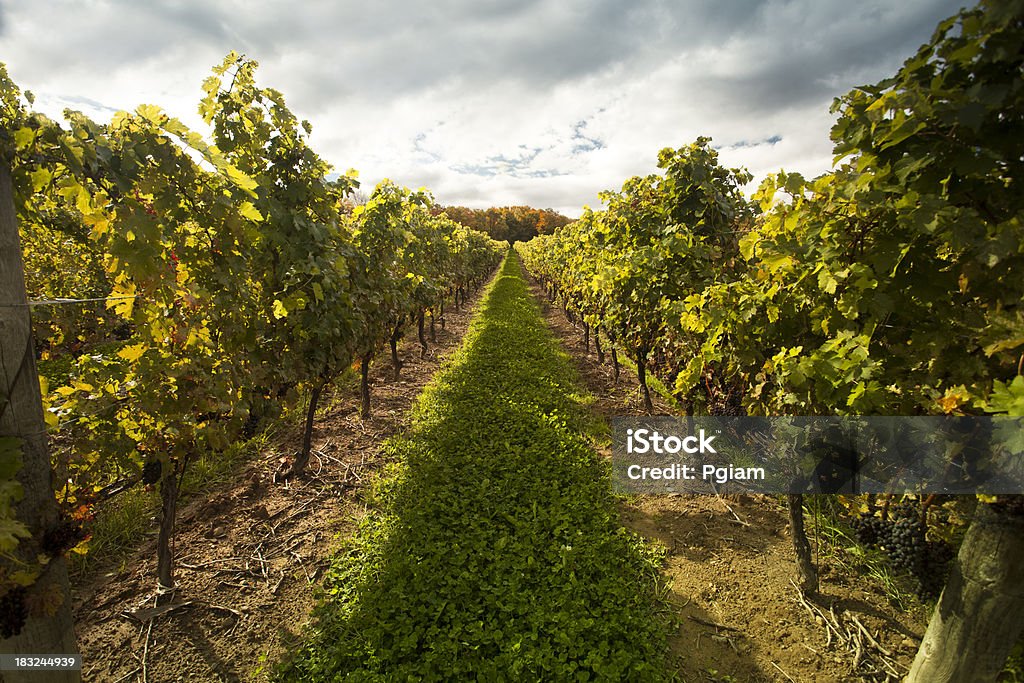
column 512, row 223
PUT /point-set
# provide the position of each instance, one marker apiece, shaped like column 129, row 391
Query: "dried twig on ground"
column 870, row 659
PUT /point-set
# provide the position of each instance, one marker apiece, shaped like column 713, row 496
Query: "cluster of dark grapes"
column 66, row 534
column 869, row 529
column 151, row 472
column 906, row 544
column 905, row 540
column 13, row 612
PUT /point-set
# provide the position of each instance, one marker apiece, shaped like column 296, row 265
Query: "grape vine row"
column 240, row 275
column 888, row 286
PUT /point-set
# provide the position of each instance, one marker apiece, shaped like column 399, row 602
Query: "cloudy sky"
column 489, row 102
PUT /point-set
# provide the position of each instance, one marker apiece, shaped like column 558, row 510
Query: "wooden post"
column 21, row 416
column 980, row 614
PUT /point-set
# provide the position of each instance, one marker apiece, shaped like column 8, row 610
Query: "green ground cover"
column 494, row 551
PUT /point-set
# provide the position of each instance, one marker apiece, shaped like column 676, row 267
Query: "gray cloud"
column 542, row 102
column 741, row 144
column 825, row 51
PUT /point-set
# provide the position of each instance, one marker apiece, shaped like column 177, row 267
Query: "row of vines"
column 889, row 286
column 235, row 277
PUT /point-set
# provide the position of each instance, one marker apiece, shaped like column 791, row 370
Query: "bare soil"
column 250, row 557
column 728, row 568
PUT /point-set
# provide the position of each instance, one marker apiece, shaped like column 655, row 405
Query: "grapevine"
column 236, row 266
column 888, row 286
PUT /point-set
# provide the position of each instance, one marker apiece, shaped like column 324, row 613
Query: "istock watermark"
column 651, row 441
column 920, row 455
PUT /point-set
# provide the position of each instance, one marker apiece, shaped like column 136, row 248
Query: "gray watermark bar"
column 71, row 662
column 920, row 455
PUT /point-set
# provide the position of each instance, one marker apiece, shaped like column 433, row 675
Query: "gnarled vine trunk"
column 169, row 488
column 806, row 571
column 641, row 373
column 396, row 363
column 419, row 334
column 364, row 384
column 302, row 459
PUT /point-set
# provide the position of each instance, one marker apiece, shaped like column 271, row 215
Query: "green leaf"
column 1006, row 399
column 10, row 531
column 827, row 282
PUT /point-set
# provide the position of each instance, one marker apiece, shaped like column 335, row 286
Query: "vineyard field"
column 262, row 422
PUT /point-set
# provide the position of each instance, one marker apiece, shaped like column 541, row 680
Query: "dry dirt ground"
column 728, row 567
column 250, row 556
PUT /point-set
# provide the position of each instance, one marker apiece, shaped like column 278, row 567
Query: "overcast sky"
column 489, row 102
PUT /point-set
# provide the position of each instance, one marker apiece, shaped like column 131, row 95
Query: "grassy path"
column 495, row 552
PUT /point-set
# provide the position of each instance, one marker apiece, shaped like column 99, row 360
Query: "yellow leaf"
column 151, row 113
column 119, row 119
column 122, row 298
column 279, row 310
column 247, row 210
column 182, row 274
column 953, row 399
column 132, row 353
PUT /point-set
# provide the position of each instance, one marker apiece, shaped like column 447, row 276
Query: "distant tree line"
column 512, row 223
